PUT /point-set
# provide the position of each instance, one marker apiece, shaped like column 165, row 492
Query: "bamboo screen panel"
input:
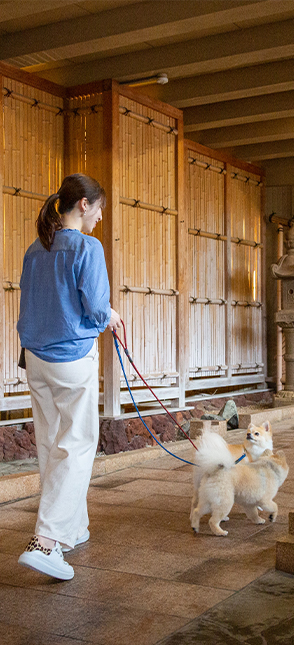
column 148, row 221
column 84, row 152
column 205, row 209
column 85, row 135
column 33, row 165
column 246, row 275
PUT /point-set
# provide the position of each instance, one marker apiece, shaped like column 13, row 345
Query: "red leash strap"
column 126, row 351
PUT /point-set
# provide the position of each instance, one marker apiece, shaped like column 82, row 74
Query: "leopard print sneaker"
column 44, row 560
column 34, row 545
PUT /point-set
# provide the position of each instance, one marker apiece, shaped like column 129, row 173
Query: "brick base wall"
column 18, row 441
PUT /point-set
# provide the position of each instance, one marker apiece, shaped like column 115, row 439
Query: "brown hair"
column 73, row 188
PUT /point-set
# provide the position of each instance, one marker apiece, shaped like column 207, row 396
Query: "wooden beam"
column 266, row 150
column 21, row 402
column 154, row 104
column 249, row 110
column 111, row 234
column 212, row 383
column 172, row 393
column 203, row 55
column 239, row 135
column 95, row 87
column 144, row 395
column 229, row 85
column 31, row 79
column 224, row 157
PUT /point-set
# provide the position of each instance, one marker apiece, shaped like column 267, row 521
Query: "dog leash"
column 126, row 351
column 240, row 458
column 116, row 339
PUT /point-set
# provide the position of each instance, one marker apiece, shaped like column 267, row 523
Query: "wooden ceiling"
column 229, row 62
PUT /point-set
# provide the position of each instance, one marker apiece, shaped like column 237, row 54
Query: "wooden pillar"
column 111, row 233
column 182, row 315
column 228, row 268
column 66, row 139
column 279, row 372
column 263, row 277
column 1, row 246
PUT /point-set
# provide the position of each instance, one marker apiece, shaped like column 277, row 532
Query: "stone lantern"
column 284, row 271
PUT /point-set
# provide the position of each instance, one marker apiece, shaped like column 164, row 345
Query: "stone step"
column 257, row 418
column 285, row 554
column 268, row 414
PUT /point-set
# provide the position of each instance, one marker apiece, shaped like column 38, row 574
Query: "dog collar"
column 240, row 458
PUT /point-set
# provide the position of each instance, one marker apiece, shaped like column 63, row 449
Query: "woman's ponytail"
column 48, row 222
column 73, row 188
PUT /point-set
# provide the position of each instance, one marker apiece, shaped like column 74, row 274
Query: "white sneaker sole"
column 32, row 560
column 84, row 538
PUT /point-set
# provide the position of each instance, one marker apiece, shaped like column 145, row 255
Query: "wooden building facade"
column 183, row 234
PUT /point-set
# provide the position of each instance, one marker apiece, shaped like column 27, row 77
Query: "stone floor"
column 144, row 578
column 18, row 466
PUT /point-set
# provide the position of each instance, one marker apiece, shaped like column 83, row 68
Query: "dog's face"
column 259, row 437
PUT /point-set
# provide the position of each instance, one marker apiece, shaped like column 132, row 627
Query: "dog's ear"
column 251, row 425
column 267, row 426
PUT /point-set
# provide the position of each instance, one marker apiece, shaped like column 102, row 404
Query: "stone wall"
column 18, row 441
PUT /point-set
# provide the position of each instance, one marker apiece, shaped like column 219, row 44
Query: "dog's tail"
column 212, row 453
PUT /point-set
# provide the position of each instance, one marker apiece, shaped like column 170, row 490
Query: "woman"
column 64, row 307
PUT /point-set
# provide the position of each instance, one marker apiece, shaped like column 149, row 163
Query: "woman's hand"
column 114, row 322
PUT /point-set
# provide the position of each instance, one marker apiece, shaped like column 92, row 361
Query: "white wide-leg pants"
column 66, row 420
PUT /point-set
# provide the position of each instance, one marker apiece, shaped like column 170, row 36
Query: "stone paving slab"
column 144, row 577
column 23, row 479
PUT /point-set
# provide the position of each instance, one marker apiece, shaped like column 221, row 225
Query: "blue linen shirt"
column 64, row 301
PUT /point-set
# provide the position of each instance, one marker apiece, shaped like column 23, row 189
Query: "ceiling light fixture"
column 161, row 79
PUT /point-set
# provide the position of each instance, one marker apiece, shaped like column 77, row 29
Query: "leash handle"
column 125, row 335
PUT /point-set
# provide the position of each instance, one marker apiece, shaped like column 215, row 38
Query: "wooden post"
column 228, row 269
column 279, row 373
column 111, row 234
column 66, row 140
column 182, row 315
column 263, row 277
column 1, row 248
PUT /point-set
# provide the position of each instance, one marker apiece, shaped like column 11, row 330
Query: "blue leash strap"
column 240, row 458
column 141, row 418
column 137, row 410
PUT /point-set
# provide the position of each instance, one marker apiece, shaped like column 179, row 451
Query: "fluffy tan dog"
column 257, row 440
column 251, row 485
